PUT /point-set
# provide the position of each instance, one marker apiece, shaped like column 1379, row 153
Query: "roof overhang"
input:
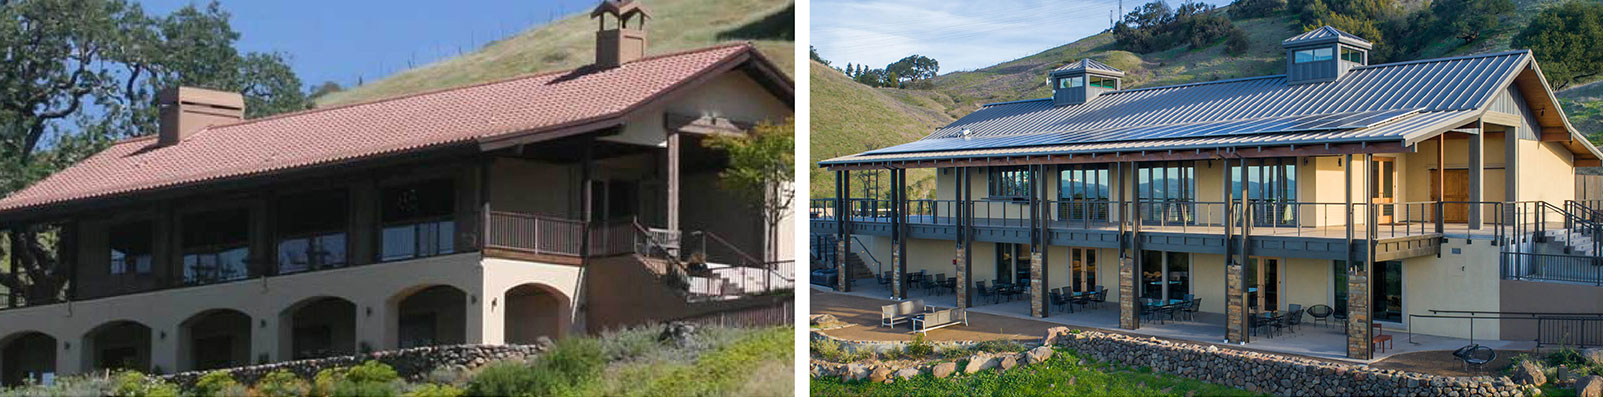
column 1220, row 152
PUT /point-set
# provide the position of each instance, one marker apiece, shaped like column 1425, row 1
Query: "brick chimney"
column 622, row 43
column 186, row 110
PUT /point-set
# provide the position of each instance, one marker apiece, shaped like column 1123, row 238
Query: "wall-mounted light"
column 264, row 323
column 370, row 311
column 162, row 335
column 66, row 345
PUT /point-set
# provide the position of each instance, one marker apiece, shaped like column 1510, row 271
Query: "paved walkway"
column 1011, row 320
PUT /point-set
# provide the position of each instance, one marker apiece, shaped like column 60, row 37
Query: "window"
column 1071, row 82
column 131, row 247
column 1104, row 82
column 1386, row 289
column 1313, row 55
column 1009, row 182
column 1352, row 55
column 1165, row 276
column 1167, row 190
column 1271, row 188
column 1012, row 262
column 216, row 246
column 1082, row 269
column 311, row 231
column 418, row 220
column 1083, row 192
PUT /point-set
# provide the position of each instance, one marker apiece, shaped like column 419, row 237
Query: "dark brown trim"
column 529, row 256
column 1164, row 155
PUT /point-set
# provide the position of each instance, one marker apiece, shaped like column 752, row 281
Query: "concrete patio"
column 1309, row 339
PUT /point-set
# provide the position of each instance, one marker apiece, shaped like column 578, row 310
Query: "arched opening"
column 532, row 311
column 117, row 345
column 316, row 328
column 432, row 316
column 214, row 339
column 27, row 356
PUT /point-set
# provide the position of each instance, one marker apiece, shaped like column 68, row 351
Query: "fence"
column 782, row 313
column 533, row 233
column 1569, row 331
column 1550, row 267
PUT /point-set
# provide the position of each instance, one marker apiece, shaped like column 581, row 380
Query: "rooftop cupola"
column 626, row 40
column 1323, row 54
column 1082, row 81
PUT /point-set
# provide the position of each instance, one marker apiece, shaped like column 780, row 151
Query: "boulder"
column 880, row 374
column 823, row 319
column 1038, row 355
column 1529, row 373
column 1562, row 374
column 1055, row 335
column 1008, row 362
column 678, row 333
column 979, row 363
column 855, row 372
column 1593, row 355
column 943, row 370
column 906, row 373
column 1590, row 386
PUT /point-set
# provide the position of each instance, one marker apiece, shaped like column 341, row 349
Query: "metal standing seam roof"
column 1241, row 109
column 465, row 115
column 1325, row 34
column 1088, row 65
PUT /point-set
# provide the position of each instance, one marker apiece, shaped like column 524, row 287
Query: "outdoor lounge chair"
column 891, row 314
column 940, row 318
column 1321, row 312
column 1476, row 356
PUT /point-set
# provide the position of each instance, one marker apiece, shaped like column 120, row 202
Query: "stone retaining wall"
column 1253, row 371
column 412, row 364
column 1271, row 373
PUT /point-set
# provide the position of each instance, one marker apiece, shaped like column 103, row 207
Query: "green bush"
column 372, row 371
column 135, row 384
column 572, row 365
column 435, row 390
column 281, row 383
column 503, row 378
column 350, row 388
column 216, row 383
column 920, row 348
column 999, row 346
column 372, row 378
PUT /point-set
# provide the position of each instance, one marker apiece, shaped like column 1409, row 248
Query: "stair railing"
column 879, row 268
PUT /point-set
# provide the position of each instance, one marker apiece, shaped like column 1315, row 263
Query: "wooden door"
column 1383, row 184
column 1457, row 186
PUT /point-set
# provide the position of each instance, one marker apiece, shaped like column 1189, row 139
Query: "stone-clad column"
column 1129, row 314
column 1040, row 300
column 1358, row 313
column 961, row 262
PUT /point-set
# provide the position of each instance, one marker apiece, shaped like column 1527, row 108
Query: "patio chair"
column 979, row 288
column 1321, row 312
column 1258, row 321
column 1100, row 297
column 1293, row 307
column 1294, row 319
column 1022, row 290
column 1283, row 322
column 1057, row 300
column 927, row 281
column 1191, row 309
column 940, row 283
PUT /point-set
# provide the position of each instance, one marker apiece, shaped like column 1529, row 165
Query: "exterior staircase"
column 1573, row 242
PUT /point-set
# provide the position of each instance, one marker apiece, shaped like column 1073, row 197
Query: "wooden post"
column 673, row 180
column 843, row 244
column 898, row 266
column 586, row 160
column 1477, row 165
column 67, row 252
column 900, row 250
column 1441, row 182
column 13, row 294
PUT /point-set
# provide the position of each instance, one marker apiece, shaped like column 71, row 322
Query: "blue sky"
column 340, row 40
column 962, row 35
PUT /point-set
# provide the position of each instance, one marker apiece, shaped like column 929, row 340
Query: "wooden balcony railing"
column 534, row 234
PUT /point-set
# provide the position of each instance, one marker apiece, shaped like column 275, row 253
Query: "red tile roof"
column 521, row 106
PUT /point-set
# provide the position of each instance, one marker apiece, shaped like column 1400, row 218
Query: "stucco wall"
column 1529, row 296
column 1466, row 280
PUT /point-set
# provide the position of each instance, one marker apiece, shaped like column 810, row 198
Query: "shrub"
column 372, row 378
column 830, row 350
column 629, row 343
column 503, row 378
column 372, row 371
column 216, row 383
column 999, row 346
column 281, row 383
column 351, row 388
column 135, row 384
column 1236, row 43
column 323, row 382
column 434, row 390
column 920, row 348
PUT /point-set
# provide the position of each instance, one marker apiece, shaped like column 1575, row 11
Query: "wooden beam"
column 1589, row 163
column 1556, row 134
column 1503, row 119
column 705, row 125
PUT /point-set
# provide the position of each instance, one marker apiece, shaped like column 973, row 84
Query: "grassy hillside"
column 848, row 117
column 843, row 122
column 569, row 43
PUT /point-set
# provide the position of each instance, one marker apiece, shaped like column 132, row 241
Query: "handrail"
column 878, row 266
column 726, row 244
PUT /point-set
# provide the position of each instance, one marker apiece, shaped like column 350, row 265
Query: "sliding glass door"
column 1271, row 188
column 1167, row 190
column 1165, row 276
column 1083, row 192
column 1082, row 269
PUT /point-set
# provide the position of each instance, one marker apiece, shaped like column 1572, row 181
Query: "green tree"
column 1470, row 19
column 1568, row 41
column 914, row 67
column 79, row 74
column 762, row 170
column 812, row 52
